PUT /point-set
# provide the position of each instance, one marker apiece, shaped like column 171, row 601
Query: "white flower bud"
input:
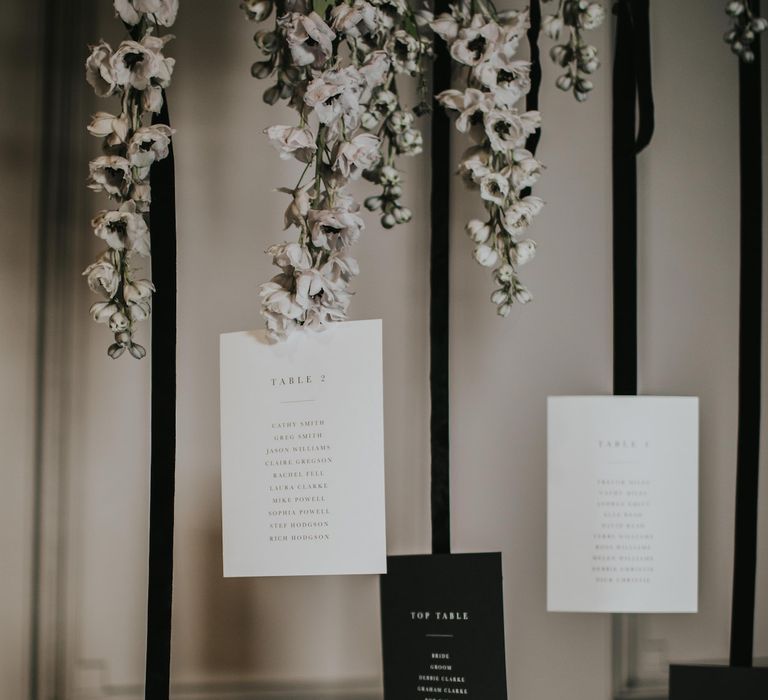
column 137, row 350
column 735, row 8
column 524, row 251
column 560, row 54
column 389, row 176
column 402, row 215
column 486, row 255
column 565, row 81
column 257, row 10
column 388, row 221
column 101, row 311
column 499, row 297
column 552, row 25
column 373, row 203
column 134, row 292
column 758, row 24
column 118, row 321
column 115, row 350
column 261, row 69
column 504, row 310
column 369, row 121
column 505, row 273
column 522, row 295
column 478, row 230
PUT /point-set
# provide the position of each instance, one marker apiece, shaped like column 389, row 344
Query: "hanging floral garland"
column 136, row 73
column 337, row 65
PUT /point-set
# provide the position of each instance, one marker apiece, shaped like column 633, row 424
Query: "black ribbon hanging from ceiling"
column 633, row 123
column 439, row 303
column 163, row 423
column 750, row 348
column 532, row 98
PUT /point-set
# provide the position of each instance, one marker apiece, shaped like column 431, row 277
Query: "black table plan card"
column 443, row 627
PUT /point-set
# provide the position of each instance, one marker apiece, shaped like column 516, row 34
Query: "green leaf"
column 410, row 24
column 321, row 6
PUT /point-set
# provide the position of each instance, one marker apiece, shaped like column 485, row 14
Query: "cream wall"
column 304, row 637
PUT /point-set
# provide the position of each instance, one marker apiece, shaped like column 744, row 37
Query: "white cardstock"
column 622, row 517
column 302, row 452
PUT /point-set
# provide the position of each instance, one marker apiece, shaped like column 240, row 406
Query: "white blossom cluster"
column 578, row 57
column 744, row 30
column 337, row 66
column 484, row 43
column 136, row 72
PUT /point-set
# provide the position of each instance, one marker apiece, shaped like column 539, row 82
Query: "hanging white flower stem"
column 484, row 42
column 744, row 30
column 578, row 57
column 135, row 74
column 337, row 65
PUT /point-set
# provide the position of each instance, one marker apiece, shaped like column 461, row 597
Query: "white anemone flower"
column 123, row 229
column 507, row 130
column 472, row 105
column 148, row 145
column 134, row 65
column 446, row 27
column 110, row 174
column 519, row 216
column 494, row 188
column 404, row 50
column 103, row 276
column 474, row 43
column 162, row 11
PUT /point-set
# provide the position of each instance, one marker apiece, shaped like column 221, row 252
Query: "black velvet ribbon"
column 439, row 303
column 632, row 105
column 163, row 423
column 750, row 338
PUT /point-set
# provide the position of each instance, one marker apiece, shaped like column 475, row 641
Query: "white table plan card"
column 302, row 452
column 622, row 512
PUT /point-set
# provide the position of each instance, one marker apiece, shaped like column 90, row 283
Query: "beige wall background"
column 302, row 638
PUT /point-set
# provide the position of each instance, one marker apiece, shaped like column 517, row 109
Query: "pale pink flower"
column 334, row 229
column 292, row 141
column 357, row 155
column 309, row 38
